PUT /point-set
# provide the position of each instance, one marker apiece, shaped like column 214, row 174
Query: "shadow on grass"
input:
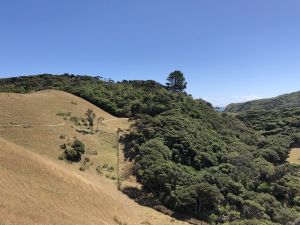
column 128, row 146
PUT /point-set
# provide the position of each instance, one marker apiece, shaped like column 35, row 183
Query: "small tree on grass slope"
column 74, row 154
column 90, row 117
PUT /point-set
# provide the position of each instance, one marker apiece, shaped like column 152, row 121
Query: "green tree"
column 74, row 153
column 90, row 117
column 202, row 198
column 176, row 81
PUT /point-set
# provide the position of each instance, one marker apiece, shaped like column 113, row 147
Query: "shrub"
column 105, row 165
column 110, row 169
column 78, row 120
column 74, row 153
column 63, row 114
column 99, row 170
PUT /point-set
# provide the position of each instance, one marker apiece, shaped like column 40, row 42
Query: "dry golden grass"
column 294, row 156
column 37, row 188
column 36, row 111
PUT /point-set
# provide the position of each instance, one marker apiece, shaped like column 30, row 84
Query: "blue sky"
column 229, row 51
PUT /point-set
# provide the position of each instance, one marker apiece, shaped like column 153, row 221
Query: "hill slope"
column 283, row 101
column 37, row 121
column 37, row 188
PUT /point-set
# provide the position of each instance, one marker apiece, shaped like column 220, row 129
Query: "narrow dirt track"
column 33, row 125
column 51, row 125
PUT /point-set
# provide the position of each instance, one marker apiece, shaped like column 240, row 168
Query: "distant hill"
column 281, row 102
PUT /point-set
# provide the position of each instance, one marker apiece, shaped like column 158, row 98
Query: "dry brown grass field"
column 294, row 156
column 37, row 188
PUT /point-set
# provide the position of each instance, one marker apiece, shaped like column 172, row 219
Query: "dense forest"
column 274, row 122
column 197, row 161
column 281, row 102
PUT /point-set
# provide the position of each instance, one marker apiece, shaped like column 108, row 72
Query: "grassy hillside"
column 36, row 190
column 42, row 121
column 199, row 162
column 281, row 102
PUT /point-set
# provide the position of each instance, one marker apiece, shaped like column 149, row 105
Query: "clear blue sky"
column 229, row 50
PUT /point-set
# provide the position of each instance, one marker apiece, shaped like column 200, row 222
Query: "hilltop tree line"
column 206, row 164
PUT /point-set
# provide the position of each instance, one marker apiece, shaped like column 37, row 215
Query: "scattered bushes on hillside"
column 74, row 152
column 79, row 120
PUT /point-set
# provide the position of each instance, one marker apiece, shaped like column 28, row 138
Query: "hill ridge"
column 289, row 100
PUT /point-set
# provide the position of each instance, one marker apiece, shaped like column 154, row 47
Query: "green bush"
column 74, row 153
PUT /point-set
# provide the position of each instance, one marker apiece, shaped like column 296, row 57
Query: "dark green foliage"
column 197, row 161
column 179, row 149
column 279, row 127
column 252, row 222
column 74, row 154
column 281, row 102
